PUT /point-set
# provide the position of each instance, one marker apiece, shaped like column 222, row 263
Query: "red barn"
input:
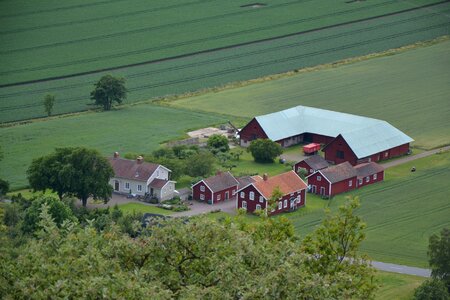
column 215, row 189
column 311, row 164
column 255, row 195
column 347, row 137
column 368, row 173
column 333, row 180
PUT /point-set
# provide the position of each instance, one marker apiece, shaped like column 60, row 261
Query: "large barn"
column 346, row 137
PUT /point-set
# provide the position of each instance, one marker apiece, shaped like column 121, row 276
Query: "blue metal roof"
column 365, row 136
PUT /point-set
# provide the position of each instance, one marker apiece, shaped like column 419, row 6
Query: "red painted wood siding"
column 244, row 195
column 379, row 177
column 304, row 165
column 336, row 188
column 252, row 131
column 196, row 192
column 220, row 195
column 339, row 144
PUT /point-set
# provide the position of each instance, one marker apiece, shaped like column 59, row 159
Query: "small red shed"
column 369, row 173
column 215, row 189
column 311, row 164
column 333, row 180
column 255, row 195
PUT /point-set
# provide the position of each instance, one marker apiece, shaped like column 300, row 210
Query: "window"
column 299, row 198
column 218, row 197
column 311, row 171
column 319, row 178
column 386, row 154
column 244, row 204
column 285, row 203
column 127, row 185
column 349, row 183
column 251, row 196
column 202, row 197
column 375, row 176
column 367, row 178
column 261, row 199
column 202, row 188
column 242, row 195
column 280, row 205
column 360, row 181
column 339, row 154
column 139, row 187
column 258, row 207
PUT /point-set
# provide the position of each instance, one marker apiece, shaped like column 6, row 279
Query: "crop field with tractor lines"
column 66, row 55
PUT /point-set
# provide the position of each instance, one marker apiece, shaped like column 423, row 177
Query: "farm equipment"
column 311, row 148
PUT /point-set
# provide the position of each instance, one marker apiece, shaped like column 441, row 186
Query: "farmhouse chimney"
column 265, row 177
column 139, row 159
column 116, row 154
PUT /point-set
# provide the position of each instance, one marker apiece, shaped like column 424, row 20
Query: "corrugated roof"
column 221, row 181
column 131, row 169
column 339, row 172
column 364, row 135
column 288, row 183
column 316, row 162
column 368, row 169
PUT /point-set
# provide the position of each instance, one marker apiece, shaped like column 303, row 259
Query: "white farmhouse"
column 141, row 178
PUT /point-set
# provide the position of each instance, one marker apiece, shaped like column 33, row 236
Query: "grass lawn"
column 138, row 129
column 396, row 286
column 28, row 194
column 410, row 90
column 129, row 208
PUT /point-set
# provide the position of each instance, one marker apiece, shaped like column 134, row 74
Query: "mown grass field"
column 410, row 90
column 194, row 72
column 401, row 212
column 57, row 38
column 396, row 286
column 132, row 129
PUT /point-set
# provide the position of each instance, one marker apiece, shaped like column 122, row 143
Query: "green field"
column 410, row 90
column 132, row 129
column 191, row 72
column 396, row 286
column 401, row 212
column 54, row 38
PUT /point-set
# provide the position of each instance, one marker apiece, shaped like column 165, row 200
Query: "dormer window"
column 136, row 175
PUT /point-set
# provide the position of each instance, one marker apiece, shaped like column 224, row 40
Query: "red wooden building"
column 333, row 180
column 311, row 164
column 215, row 189
column 368, row 173
column 255, row 195
column 347, row 137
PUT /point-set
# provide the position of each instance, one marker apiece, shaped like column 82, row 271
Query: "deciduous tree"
column 200, row 164
column 264, row 150
column 49, row 102
column 439, row 254
column 108, row 90
column 77, row 172
column 218, row 143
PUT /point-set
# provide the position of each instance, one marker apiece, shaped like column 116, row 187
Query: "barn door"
column 322, row 191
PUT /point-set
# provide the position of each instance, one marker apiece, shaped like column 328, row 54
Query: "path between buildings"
column 406, row 159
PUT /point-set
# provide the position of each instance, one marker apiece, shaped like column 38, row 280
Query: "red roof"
column 131, row 169
column 288, row 183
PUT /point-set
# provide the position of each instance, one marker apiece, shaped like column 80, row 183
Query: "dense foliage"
column 264, row 150
column 78, row 172
column 218, row 143
column 439, row 253
column 433, row 289
column 184, row 259
column 109, row 90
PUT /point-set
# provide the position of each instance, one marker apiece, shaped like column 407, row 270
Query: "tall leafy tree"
column 49, row 102
column 78, row 172
column 108, row 90
column 218, row 143
column 200, row 164
column 439, row 253
column 264, row 150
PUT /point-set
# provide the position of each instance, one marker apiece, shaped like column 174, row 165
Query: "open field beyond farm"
column 132, row 129
column 410, row 90
column 74, row 45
